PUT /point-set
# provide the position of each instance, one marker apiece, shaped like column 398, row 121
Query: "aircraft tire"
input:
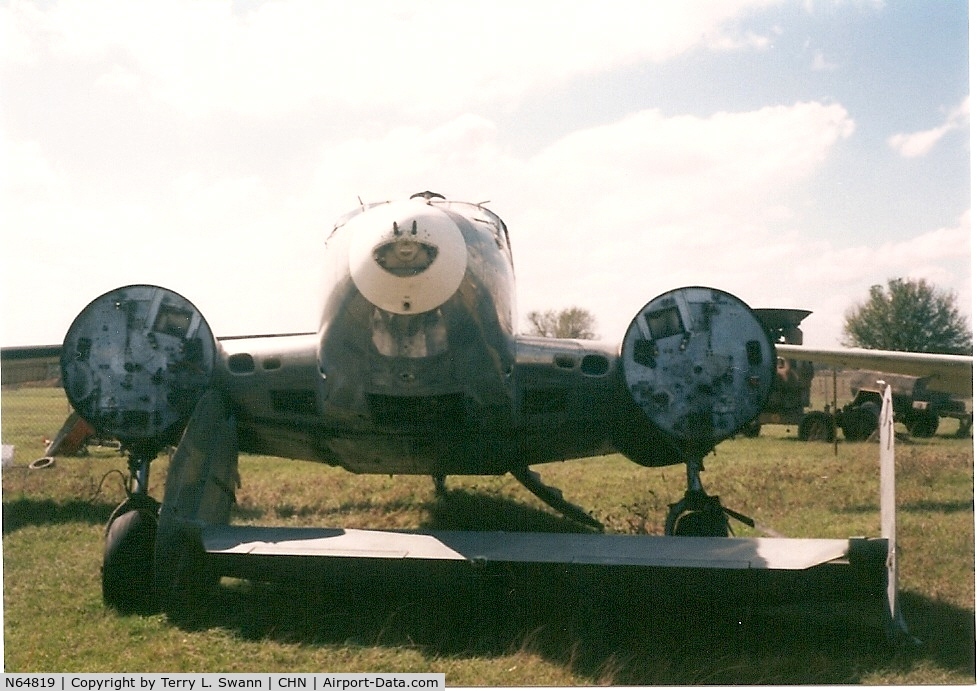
column 127, row 565
column 702, row 523
column 752, row 429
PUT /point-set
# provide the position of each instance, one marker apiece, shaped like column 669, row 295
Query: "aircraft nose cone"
column 406, row 257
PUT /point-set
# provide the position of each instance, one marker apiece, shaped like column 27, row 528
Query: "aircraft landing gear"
column 130, row 540
column 699, row 514
column 553, row 498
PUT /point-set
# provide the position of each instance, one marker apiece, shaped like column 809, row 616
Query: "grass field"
column 500, row 633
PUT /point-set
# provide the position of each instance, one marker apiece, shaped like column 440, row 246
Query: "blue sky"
column 793, row 153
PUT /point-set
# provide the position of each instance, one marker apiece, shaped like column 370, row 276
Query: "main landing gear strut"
column 696, row 514
column 130, row 539
column 699, row 514
column 554, row 498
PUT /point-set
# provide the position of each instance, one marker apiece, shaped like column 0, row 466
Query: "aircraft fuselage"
column 415, row 356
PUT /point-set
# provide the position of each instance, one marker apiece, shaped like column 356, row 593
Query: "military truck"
column 790, row 395
column 914, row 406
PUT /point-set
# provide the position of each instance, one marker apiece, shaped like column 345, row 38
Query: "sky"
column 792, row 153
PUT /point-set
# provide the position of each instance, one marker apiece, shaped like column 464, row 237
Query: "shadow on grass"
column 916, row 507
column 466, row 510
column 606, row 625
column 947, row 633
column 602, row 628
column 18, row 513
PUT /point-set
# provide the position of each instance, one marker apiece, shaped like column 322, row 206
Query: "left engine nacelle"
column 135, row 362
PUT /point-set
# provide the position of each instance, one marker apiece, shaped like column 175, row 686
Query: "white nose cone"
column 406, row 257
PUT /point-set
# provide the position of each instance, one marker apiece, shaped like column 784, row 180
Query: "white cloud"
column 232, row 210
column 605, row 218
column 626, row 209
column 821, row 64
column 614, row 215
column 915, row 144
column 200, row 57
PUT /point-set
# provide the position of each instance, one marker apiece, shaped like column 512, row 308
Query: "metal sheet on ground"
column 623, row 550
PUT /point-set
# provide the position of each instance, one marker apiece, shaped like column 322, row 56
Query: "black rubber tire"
column 859, row 423
column 923, row 424
column 135, row 502
column 816, row 426
column 752, row 429
column 127, row 565
column 702, row 524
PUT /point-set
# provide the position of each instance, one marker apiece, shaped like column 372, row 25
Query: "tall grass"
column 533, row 627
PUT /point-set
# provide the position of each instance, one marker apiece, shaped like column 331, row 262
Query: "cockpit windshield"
column 475, row 212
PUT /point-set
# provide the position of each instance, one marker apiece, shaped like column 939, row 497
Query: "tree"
column 572, row 322
column 909, row 315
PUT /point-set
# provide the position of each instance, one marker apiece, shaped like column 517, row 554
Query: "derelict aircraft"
column 416, row 368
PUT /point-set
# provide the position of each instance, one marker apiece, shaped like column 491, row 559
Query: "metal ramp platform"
column 567, row 548
column 630, row 569
column 746, row 570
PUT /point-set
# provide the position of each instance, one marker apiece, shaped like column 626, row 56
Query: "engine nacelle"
column 699, row 366
column 135, row 362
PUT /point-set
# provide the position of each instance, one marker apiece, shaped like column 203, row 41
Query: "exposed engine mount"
column 699, row 365
column 135, row 362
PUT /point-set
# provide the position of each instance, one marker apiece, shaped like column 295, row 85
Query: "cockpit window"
column 477, row 212
column 344, row 219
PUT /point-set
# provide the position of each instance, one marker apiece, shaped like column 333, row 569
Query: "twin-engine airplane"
column 416, row 368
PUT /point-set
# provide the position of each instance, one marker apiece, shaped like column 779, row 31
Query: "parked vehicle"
column 916, row 407
column 913, row 405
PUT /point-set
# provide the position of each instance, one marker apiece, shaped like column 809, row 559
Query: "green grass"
column 536, row 630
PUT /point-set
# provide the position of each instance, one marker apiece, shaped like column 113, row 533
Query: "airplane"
column 416, row 367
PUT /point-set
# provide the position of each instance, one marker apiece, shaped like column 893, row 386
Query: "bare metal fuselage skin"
column 410, row 377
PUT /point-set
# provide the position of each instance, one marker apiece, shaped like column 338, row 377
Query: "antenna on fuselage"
column 428, row 195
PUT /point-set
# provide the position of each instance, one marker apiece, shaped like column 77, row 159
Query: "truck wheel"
column 859, row 423
column 816, row 426
column 924, row 424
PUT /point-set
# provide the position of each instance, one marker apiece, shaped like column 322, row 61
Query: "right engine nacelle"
column 699, row 366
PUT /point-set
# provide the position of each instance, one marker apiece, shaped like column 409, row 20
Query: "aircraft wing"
column 19, row 365
column 953, row 374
